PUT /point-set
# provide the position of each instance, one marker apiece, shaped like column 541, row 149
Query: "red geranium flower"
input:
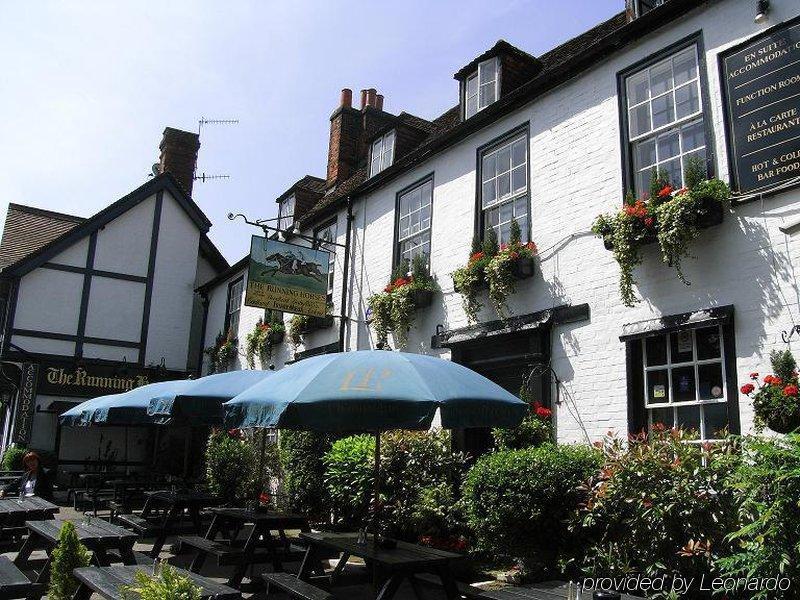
column 665, row 191
column 531, row 246
column 753, row 375
column 790, row 390
column 264, row 498
column 747, row 388
column 503, row 247
column 543, row 413
column 235, row 433
column 648, row 222
column 477, row 256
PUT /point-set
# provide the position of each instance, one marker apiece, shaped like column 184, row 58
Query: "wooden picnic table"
column 100, row 537
column 390, row 566
column 175, row 503
column 548, row 590
column 259, row 547
column 15, row 511
column 108, row 581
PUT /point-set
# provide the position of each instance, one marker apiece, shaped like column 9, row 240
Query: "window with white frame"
column 685, row 380
column 234, row 307
column 482, row 87
column 665, row 118
column 504, row 187
column 286, row 214
column 414, row 222
column 382, row 155
column 325, row 238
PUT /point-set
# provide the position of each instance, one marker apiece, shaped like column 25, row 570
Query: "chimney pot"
column 179, row 156
column 379, row 101
column 371, row 93
column 346, row 98
column 363, row 99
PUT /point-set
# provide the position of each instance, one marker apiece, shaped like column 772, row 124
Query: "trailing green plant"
column 260, row 342
column 12, row 458
column 518, row 504
column 69, row 554
column 222, row 352
column 393, row 309
column 672, row 216
column 469, row 279
column 231, row 464
column 534, row 430
column 767, row 545
column 166, row 583
column 299, row 324
column 301, row 462
column 776, row 402
column 659, row 507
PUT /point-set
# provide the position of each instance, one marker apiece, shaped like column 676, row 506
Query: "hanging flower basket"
column 222, row 352
column 421, row 297
column 776, row 400
column 262, row 340
column 523, row 267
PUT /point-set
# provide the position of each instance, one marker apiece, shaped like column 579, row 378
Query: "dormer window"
column 286, row 214
column 643, row 6
column 382, row 155
column 482, row 87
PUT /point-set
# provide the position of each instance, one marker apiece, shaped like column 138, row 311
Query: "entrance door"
column 511, row 361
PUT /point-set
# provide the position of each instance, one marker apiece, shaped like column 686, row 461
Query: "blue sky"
column 88, row 87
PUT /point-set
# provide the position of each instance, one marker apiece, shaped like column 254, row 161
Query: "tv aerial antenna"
column 201, row 122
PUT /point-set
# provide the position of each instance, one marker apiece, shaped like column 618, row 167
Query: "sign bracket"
column 262, row 224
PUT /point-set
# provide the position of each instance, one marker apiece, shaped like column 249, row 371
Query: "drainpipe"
column 203, row 326
column 345, row 276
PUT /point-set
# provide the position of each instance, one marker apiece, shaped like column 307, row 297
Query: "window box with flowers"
column 672, row 217
column 260, row 342
column 222, row 352
column 393, row 310
column 776, row 401
column 301, row 325
column 498, row 268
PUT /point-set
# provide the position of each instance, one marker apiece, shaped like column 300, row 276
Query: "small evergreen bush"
column 300, row 454
column 12, row 458
column 165, row 584
column 68, row 554
column 231, row 464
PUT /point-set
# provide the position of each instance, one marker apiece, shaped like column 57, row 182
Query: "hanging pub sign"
column 287, row 277
column 62, row 378
column 761, row 95
column 26, row 404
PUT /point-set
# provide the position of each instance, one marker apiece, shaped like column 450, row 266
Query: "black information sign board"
column 761, row 94
column 64, row 378
column 26, row 404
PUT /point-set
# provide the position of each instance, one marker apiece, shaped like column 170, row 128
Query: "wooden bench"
column 14, row 584
column 231, row 554
column 294, row 587
column 138, row 524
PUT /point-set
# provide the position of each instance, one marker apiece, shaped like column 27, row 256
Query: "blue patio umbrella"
column 200, row 401
column 374, row 391
column 129, row 408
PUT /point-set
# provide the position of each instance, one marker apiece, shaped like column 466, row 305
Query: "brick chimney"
column 343, row 149
column 179, row 156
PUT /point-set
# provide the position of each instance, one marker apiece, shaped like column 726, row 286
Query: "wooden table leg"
column 449, row 583
column 337, row 570
column 248, row 550
column 391, row 586
column 164, row 530
column 416, row 587
column 200, row 558
column 84, row 592
column 127, row 555
column 311, row 563
column 21, row 561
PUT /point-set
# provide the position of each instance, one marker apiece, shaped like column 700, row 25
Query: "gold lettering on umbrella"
column 367, row 383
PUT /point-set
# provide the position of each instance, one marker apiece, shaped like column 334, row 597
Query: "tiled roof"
column 332, row 199
column 28, row 229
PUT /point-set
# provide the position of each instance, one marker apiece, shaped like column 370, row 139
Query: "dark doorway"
column 510, row 360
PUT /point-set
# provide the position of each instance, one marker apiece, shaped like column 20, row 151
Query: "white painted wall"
column 123, row 246
column 49, row 301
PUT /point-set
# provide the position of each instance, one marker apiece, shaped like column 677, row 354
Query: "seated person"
column 33, row 482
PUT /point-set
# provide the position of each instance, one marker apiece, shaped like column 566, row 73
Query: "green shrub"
column 165, row 584
column 300, row 454
column 536, row 428
column 12, row 458
column 767, row 481
column 518, row 503
column 659, row 507
column 349, row 466
column 68, row 554
column 231, row 464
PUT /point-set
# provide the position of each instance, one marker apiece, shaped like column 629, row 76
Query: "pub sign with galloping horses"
column 287, row 277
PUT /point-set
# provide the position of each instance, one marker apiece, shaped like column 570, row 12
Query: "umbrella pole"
column 377, row 489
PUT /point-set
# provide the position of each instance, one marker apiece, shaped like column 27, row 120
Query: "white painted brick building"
column 569, row 115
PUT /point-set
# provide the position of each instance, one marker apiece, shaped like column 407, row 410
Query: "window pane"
column 643, row 181
column 638, row 88
column 665, row 416
column 487, row 70
column 640, row 120
column 522, row 221
column 656, row 349
column 472, row 86
column 716, row 417
column 487, row 94
column 657, row 387
column 685, row 66
column 669, row 146
column 689, row 417
column 505, row 232
column 520, row 206
column 403, row 226
column 660, row 78
column 506, row 211
column 644, row 154
column 710, row 377
column 681, row 346
column 504, row 159
column 683, row 384
column 673, row 169
column 663, row 110
column 503, row 185
column 693, row 136
column 700, row 154
column 708, row 345
column 518, row 153
column 489, row 167
column 518, row 182
column 489, row 194
column 687, row 100
column 472, row 105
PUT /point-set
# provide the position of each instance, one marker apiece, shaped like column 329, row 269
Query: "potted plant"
column 69, row 554
column 164, row 584
column 301, row 325
column 260, row 342
column 496, row 267
column 222, row 352
column 776, row 401
column 672, row 217
column 394, row 308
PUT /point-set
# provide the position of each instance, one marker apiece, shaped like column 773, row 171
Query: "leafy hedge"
column 12, row 458
column 300, row 455
column 518, row 503
column 231, row 464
